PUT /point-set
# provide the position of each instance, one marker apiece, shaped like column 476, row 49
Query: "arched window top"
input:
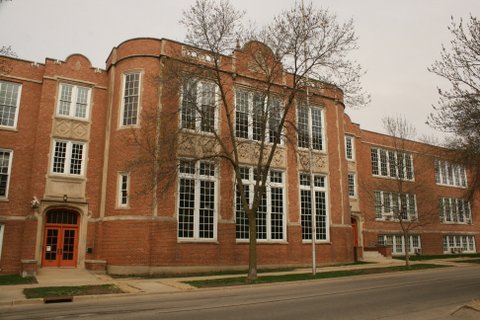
column 62, row 216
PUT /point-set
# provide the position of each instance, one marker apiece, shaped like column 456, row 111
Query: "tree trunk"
column 252, row 247
column 406, row 235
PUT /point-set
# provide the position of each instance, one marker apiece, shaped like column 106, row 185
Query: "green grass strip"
column 304, row 276
column 13, row 279
column 440, row 256
column 45, row 292
column 468, row 261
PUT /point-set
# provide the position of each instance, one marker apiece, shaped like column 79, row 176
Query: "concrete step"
column 374, row 256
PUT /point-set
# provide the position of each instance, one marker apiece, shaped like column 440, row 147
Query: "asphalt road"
column 426, row 294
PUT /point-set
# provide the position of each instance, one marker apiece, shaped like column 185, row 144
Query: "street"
column 426, row 294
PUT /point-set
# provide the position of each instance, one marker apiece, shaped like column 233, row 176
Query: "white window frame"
column 397, row 241
column 198, row 178
column 381, row 209
column 450, row 209
column 377, row 170
column 139, row 99
column 2, row 232
column 250, row 111
column 68, row 158
column 309, row 127
column 352, row 184
column 316, row 188
column 120, row 190
column 73, row 101
column 450, row 174
column 249, row 187
column 9, row 172
column 17, row 105
column 198, row 104
column 350, row 147
column 459, row 243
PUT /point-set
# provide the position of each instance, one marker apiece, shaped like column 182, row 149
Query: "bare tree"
column 398, row 197
column 304, row 40
column 458, row 108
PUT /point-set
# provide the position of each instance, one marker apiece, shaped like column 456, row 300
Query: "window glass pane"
column 65, row 99
column 187, row 166
column 130, row 99
column 274, row 119
column 258, row 117
column 349, row 147
column 392, row 163
column 208, row 107
column 306, row 214
column 262, row 219
column 374, row 157
column 241, row 219
column 241, row 114
column 9, row 96
column 82, row 102
column 277, row 213
column 123, row 189
column 207, row 209
column 60, row 155
column 321, row 215
column 305, row 179
column 4, row 171
column 383, row 163
column 207, row 168
column 317, row 142
column 186, row 208
column 302, row 127
column 76, row 159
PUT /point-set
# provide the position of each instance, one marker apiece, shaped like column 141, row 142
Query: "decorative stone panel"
column 71, row 129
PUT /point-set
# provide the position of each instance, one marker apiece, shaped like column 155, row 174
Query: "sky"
column 398, row 40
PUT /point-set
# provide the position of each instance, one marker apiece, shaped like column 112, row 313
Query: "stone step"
column 373, row 255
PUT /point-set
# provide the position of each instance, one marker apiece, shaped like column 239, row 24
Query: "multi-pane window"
column 199, row 110
column 68, row 157
column 257, row 116
column 310, row 127
column 9, row 103
column 450, row 174
column 454, row 210
column 393, row 206
column 397, row 242
column 349, row 148
column 73, row 101
column 313, row 197
column 123, row 187
column 459, row 244
column 389, row 163
column 197, row 200
column 5, row 168
column 271, row 223
column 131, row 99
column 352, row 190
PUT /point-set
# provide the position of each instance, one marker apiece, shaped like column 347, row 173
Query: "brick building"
column 70, row 197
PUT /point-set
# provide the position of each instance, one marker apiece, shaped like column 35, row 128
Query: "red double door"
column 60, row 239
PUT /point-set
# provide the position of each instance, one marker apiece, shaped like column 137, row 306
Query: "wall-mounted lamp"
column 65, row 198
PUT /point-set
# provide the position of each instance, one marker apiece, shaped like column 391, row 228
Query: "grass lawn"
column 220, row 272
column 11, row 279
column 442, row 256
column 468, row 261
column 70, row 291
column 304, row 276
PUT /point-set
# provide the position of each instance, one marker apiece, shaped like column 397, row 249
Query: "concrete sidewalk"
column 11, row 295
